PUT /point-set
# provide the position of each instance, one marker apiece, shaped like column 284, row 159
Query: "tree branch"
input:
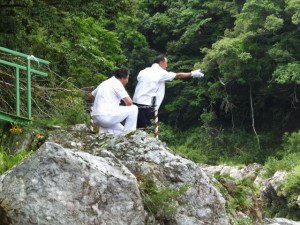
column 252, row 115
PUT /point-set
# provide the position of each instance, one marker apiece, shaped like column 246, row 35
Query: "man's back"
column 150, row 81
column 108, row 96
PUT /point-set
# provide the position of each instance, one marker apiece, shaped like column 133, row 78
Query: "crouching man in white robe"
column 107, row 112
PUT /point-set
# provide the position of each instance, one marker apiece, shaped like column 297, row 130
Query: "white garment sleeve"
column 167, row 76
column 120, row 91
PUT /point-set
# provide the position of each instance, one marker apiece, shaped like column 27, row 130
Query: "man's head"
column 122, row 74
column 162, row 61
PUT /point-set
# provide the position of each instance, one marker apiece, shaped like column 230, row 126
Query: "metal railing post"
column 17, row 91
column 28, row 89
column 6, row 116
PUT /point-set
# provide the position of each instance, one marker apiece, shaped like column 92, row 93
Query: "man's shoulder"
column 146, row 69
column 155, row 68
column 113, row 81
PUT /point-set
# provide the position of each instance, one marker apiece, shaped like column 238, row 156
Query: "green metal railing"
column 17, row 117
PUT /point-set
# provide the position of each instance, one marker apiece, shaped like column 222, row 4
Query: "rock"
column 146, row 156
column 59, row 186
column 80, row 127
column 270, row 187
column 249, row 171
column 79, row 178
column 280, row 221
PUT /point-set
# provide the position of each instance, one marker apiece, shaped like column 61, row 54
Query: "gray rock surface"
column 78, row 178
column 202, row 203
column 249, row 171
column 270, row 187
column 58, row 186
column 280, row 221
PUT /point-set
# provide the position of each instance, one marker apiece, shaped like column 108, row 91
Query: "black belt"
column 143, row 106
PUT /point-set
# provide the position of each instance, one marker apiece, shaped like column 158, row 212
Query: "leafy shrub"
column 287, row 163
column 291, row 187
column 239, row 195
column 291, row 142
column 215, row 146
column 288, row 160
column 237, row 192
column 166, row 134
column 160, row 201
column 289, row 156
column 68, row 110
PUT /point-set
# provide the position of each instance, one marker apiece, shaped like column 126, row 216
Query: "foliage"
column 239, row 195
column 288, row 73
column 160, row 201
column 217, row 146
column 76, row 38
column 238, row 44
column 287, row 163
column 69, row 110
column 285, row 204
column 243, row 221
column 291, row 142
column 237, row 192
column 135, row 46
column 293, row 7
column 7, row 160
column 166, row 134
column 247, row 56
column 288, row 158
column 291, row 187
column 248, row 51
column 180, row 29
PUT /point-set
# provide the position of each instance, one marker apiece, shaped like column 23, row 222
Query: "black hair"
column 160, row 58
column 122, row 72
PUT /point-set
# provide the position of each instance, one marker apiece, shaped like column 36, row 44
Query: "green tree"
column 180, row 29
column 261, row 43
column 76, row 38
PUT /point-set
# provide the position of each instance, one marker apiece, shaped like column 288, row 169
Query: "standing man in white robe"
column 150, row 89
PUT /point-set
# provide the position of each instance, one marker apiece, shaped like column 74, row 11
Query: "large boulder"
column 57, row 186
column 78, row 178
column 145, row 156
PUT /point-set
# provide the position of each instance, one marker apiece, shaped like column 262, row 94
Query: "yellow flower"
column 16, row 130
column 40, row 136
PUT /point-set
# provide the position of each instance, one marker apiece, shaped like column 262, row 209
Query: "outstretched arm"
column 183, row 75
column 194, row 74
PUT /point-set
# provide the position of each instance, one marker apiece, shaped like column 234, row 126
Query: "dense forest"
column 244, row 108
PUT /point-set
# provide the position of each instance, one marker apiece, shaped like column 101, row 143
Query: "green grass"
column 7, row 161
column 213, row 146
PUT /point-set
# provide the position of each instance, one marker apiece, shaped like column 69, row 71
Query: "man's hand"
column 128, row 101
column 197, row 74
